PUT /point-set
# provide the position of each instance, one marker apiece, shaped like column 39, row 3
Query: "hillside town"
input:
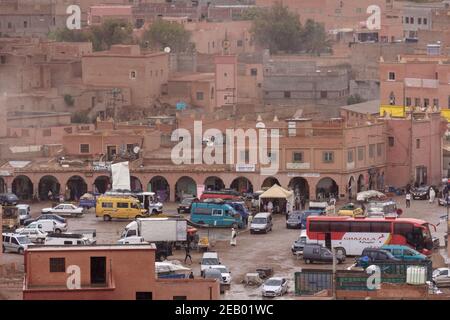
column 224, row 149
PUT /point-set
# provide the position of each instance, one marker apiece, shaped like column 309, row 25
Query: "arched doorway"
column 214, row 183
column 327, row 188
column 185, row 186
column 135, row 184
column 3, row 188
column 75, row 188
column 300, row 187
column 269, row 182
column 242, row 185
column 360, row 183
column 160, row 186
column 102, row 184
column 46, row 184
column 351, row 188
column 22, row 187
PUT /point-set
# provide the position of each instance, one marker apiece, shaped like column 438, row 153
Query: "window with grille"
column 57, row 264
column 84, row 148
column 297, row 157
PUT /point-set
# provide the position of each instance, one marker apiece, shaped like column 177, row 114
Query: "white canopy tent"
column 277, row 192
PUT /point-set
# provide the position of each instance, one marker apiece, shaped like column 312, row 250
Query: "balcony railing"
column 108, row 285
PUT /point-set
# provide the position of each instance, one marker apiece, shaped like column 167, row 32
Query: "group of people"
column 275, row 206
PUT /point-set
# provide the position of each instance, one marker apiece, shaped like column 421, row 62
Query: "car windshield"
column 210, row 261
column 23, row 212
column 295, row 217
column 23, row 240
column 259, row 220
column 55, row 217
column 187, row 201
column 273, row 282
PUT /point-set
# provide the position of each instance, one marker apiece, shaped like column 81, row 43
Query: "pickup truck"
column 88, row 200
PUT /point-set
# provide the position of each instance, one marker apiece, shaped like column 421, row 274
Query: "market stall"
column 277, row 200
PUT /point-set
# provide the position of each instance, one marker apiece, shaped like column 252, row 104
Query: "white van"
column 44, row 225
column 262, row 222
column 209, row 260
column 15, row 243
column 61, row 239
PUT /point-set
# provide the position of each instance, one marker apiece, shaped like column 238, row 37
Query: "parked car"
column 262, row 222
column 8, row 199
column 420, row 193
column 308, row 213
column 313, row 252
column 351, row 210
column 441, row 277
column 209, row 260
column 35, row 235
column 15, row 243
column 226, row 275
column 214, row 273
column 373, row 256
column 185, row 205
column 46, row 225
column 47, row 216
column 65, row 209
column 405, row 253
column 294, row 220
column 275, row 286
column 299, row 244
column 24, row 212
column 224, row 279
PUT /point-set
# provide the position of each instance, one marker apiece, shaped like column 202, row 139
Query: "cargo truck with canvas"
column 164, row 232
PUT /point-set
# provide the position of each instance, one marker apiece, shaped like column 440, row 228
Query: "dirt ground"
column 252, row 251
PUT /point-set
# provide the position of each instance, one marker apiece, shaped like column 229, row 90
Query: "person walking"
column 50, row 195
column 250, row 219
column 408, row 199
column 233, row 237
column 191, row 275
column 270, row 206
column 432, row 195
column 188, row 253
column 303, row 202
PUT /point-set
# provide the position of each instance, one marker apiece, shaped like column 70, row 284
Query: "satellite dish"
column 136, row 149
column 167, row 50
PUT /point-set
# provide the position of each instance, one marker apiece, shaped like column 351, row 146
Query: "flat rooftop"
column 113, row 247
column 370, row 107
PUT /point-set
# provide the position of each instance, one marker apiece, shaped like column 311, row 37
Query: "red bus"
column 351, row 235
